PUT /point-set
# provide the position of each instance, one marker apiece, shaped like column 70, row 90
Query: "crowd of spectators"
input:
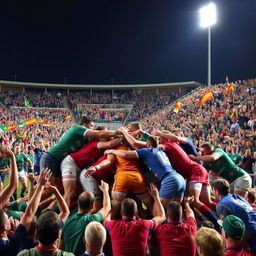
column 227, row 120
column 76, row 228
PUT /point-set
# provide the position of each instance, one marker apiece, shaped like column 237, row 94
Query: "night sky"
column 124, row 41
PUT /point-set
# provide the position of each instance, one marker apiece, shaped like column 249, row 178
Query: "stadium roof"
column 100, row 86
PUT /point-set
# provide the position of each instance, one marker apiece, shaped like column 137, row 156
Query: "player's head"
column 178, row 132
column 152, row 142
column 128, row 207
column 87, row 122
column 161, row 139
column 48, row 228
column 134, row 126
column 251, row 196
column 220, row 188
column 209, row 242
column 174, row 211
column 85, row 200
column 206, row 148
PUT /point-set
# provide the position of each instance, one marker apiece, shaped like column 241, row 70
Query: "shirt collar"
column 128, row 218
column 87, row 253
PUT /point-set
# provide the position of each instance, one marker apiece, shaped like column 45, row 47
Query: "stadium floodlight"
column 208, row 17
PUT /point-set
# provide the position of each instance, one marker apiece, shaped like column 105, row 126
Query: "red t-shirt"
column 175, row 238
column 105, row 174
column 237, row 251
column 88, row 154
column 129, row 236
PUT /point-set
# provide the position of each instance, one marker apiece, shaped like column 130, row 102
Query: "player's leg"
column 69, row 178
column 119, row 192
column 91, row 184
column 172, row 189
column 53, row 164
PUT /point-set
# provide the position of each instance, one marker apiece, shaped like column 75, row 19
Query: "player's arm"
column 109, row 144
column 12, row 186
column 122, row 153
column 207, row 158
column 134, row 143
column 104, row 164
column 158, row 209
column 170, row 137
column 101, row 134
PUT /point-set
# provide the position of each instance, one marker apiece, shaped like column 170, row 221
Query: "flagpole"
column 209, row 55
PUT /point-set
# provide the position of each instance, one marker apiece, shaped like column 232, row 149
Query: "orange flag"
column 206, row 97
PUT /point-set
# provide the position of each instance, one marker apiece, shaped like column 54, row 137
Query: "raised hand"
column 104, row 186
column 44, row 176
column 89, row 171
column 188, row 199
column 153, row 190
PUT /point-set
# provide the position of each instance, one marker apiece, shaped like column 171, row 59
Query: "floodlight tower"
column 208, row 18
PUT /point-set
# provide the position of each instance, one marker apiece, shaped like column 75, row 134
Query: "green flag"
column 26, row 103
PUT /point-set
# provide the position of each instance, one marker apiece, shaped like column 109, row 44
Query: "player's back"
column 126, row 164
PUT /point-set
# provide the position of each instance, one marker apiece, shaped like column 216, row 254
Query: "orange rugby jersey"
column 126, row 164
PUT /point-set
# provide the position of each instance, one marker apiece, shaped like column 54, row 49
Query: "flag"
column 233, row 115
column 27, row 122
column 22, row 136
column 26, row 103
column 68, row 117
column 230, row 88
column 47, row 124
column 40, row 121
column 12, row 127
column 177, row 107
column 227, row 82
column 206, row 97
column 3, row 128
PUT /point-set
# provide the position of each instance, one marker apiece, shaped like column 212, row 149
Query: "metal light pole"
column 208, row 18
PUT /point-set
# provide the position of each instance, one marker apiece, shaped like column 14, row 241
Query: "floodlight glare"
column 208, row 15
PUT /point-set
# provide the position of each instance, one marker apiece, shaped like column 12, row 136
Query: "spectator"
column 73, row 230
column 175, row 237
column 248, row 161
column 94, row 239
column 48, row 232
column 129, row 236
column 209, row 242
column 233, row 230
column 232, row 204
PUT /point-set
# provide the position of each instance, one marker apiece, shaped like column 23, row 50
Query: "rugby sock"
column 209, row 215
column 213, row 206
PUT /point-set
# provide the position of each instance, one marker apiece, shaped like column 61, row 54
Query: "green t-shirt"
column 236, row 158
column 21, row 159
column 4, row 162
column 71, row 141
column 73, row 231
column 32, row 159
column 13, row 210
column 224, row 166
